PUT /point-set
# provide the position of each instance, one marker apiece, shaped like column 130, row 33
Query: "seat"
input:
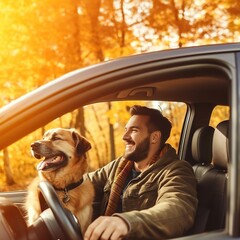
column 202, row 150
column 212, row 185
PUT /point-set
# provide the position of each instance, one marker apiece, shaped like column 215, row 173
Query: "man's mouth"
column 129, row 145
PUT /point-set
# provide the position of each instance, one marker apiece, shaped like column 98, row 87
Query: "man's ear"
column 156, row 137
column 81, row 143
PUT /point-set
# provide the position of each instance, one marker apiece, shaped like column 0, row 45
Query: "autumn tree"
column 233, row 18
column 186, row 22
column 105, row 31
column 38, row 42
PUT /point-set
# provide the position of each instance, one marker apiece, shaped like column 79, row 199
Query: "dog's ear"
column 82, row 144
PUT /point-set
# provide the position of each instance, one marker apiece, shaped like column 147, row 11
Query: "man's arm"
column 175, row 208
column 172, row 215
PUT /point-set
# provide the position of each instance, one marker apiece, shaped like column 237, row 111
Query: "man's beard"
column 141, row 151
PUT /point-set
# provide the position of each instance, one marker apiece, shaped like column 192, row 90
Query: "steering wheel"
column 67, row 221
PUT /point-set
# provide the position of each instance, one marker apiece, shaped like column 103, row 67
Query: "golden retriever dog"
column 64, row 162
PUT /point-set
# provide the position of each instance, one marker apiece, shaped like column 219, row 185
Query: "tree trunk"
column 7, row 168
column 80, row 122
column 112, row 139
column 102, row 132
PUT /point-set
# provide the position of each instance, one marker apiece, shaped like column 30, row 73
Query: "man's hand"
column 106, row 228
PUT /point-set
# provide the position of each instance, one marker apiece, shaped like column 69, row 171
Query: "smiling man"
column 148, row 193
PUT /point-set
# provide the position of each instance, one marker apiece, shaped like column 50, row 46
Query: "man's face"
column 136, row 138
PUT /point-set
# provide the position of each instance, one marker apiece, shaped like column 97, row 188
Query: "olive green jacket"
column 160, row 203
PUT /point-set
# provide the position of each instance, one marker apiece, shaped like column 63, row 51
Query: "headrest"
column 202, row 145
column 220, row 157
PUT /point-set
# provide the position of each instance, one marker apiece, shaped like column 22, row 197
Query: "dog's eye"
column 56, row 138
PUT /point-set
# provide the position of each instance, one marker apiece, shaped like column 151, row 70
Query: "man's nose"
column 126, row 136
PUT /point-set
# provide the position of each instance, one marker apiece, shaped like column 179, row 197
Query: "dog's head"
column 59, row 148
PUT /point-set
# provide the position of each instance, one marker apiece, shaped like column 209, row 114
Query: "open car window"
column 219, row 114
column 101, row 123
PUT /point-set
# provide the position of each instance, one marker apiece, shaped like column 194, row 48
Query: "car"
column 199, row 86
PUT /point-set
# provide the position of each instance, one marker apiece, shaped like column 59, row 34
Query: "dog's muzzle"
column 52, row 159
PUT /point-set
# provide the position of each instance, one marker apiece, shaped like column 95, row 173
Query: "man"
column 148, row 193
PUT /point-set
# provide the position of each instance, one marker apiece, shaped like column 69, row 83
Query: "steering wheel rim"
column 64, row 217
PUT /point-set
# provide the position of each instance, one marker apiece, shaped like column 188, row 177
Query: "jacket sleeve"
column 101, row 179
column 175, row 207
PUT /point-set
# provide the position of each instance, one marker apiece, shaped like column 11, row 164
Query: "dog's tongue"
column 49, row 163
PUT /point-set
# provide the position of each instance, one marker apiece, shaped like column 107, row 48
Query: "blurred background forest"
column 41, row 40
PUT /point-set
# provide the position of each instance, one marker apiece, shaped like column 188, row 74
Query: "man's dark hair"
column 156, row 122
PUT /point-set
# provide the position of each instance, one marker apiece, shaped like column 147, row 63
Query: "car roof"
column 192, row 75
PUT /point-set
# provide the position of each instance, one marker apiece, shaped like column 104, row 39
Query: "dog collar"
column 69, row 187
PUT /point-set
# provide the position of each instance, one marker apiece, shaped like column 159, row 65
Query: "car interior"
column 211, row 151
column 201, row 84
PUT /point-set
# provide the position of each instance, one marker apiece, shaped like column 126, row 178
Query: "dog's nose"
column 35, row 144
column 35, row 149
